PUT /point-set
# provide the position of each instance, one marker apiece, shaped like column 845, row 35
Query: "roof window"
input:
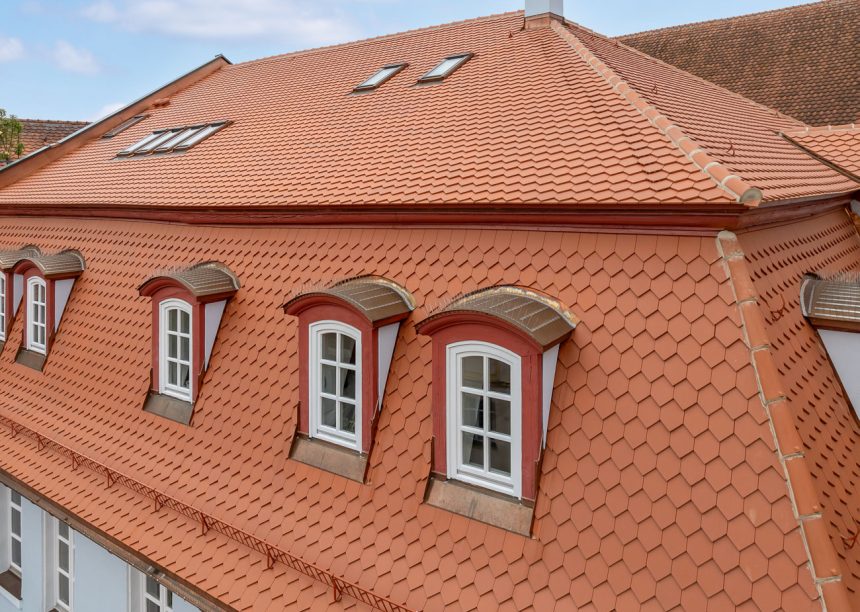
column 174, row 139
column 445, row 68
column 124, row 126
column 380, row 77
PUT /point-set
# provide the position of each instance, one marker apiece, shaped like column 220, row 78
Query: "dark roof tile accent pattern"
column 544, row 320
column 659, row 485
column 202, row 279
column 803, row 61
column 377, row 298
column 778, row 259
column 9, row 259
column 36, row 133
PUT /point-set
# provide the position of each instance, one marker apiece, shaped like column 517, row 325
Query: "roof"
column 779, row 257
column 36, row 133
column 9, row 259
column 526, row 122
column 802, row 60
column 375, row 297
column 202, row 279
column 68, row 262
column 839, row 145
column 658, row 483
column 541, row 318
column 830, row 301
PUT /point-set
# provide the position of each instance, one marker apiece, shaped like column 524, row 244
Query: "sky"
column 82, row 59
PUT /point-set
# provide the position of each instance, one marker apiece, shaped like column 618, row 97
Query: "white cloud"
column 73, row 59
column 107, row 109
column 308, row 23
column 11, row 49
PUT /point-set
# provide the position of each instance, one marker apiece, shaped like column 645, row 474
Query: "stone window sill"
column 480, row 504
column 329, row 457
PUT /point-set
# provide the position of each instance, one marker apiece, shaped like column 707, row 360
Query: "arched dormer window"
column 187, row 307
column 37, row 315
column 175, row 349
column 46, row 282
column 346, row 338
column 494, row 358
column 335, row 379
column 12, row 286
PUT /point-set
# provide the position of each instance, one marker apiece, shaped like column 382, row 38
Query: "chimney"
column 540, row 12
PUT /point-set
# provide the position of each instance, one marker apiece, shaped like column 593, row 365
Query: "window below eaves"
column 172, row 140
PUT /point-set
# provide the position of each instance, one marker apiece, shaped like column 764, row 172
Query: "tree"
column 10, row 137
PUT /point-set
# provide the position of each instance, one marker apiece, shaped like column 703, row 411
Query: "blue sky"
column 78, row 59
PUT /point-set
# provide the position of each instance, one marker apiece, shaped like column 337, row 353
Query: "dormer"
column 46, row 283
column 187, row 307
column 12, row 287
column 347, row 334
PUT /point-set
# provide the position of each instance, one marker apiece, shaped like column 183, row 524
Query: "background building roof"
column 803, row 61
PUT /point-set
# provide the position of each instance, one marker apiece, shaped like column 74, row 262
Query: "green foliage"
column 10, row 137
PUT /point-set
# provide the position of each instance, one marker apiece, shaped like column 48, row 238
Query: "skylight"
column 124, row 125
column 445, row 67
column 382, row 75
column 174, row 139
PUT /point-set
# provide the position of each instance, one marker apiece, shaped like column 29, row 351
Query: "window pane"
column 184, row 376
column 500, row 376
column 185, row 349
column 347, row 417
column 16, row 522
column 16, row 497
column 169, row 599
column 347, row 350
column 64, row 589
column 500, row 457
column 172, row 377
column 500, row 416
column 329, row 346
column 185, row 322
column 473, row 450
column 347, row 383
column 328, row 416
column 152, row 607
column 171, row 319
column 152, row 587
column 473, row 372
column 171, row 346
column 64, row 530
column 16, row 553
column 63, row 560
column 329, row 379
column 473, row 410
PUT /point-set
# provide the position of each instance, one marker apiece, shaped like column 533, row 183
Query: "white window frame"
column 317, row 429
column 2, row 306
column 53, row 538
column 33, row 325
column 165, row 598
column 456, row 469
column 165, row 387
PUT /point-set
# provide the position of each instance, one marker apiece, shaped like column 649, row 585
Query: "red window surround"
column 206, row 288
column 472, row 319
column 369, row 304
column 59, row 272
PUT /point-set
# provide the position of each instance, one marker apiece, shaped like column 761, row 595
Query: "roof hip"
column 723, row 176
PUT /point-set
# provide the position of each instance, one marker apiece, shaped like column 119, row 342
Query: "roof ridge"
column 811, row 130
column 657, row 60
column 370, row 39
column 719, row 19
column 721, row 174
column 62, row 121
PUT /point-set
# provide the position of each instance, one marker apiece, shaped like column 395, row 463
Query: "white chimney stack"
column 541, row 8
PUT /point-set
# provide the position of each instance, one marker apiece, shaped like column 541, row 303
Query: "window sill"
column 30, row 359
column 10, row 588
column 480, row 504
column 168, row 407
column 329, row 457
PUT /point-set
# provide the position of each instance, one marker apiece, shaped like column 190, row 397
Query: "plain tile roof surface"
column 37, row 133
column 528, row 120
column 839, row 145
column 802, row 60
column 659, row 485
